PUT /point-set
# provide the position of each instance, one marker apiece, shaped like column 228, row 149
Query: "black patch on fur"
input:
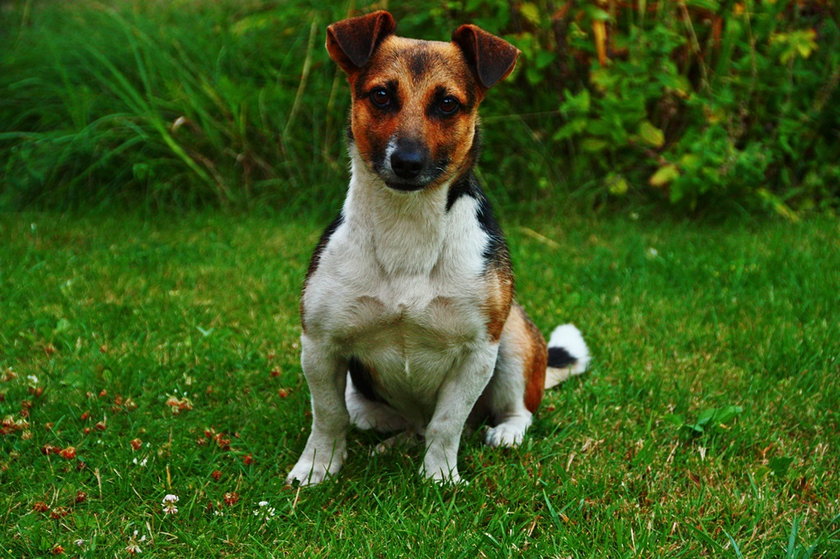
column 558, row 357
column 461, row 187
column 466, row 185
column 362, row 379
column 322, row 243
column 316, row 256
column 496, row 252
column 418, row 63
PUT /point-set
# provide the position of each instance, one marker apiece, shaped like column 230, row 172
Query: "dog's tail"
column 567, row 355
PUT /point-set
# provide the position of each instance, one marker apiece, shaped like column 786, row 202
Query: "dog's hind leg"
column 516, row 388
column 369, row 414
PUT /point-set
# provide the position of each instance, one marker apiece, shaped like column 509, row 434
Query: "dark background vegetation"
column 696, row 106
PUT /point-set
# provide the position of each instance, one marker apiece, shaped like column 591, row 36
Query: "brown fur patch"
column 534, row 364
column 499, row 286
column 525, row 342
column 529, row 345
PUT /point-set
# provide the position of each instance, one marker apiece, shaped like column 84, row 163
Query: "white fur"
column 569, row 338
column 506, row 394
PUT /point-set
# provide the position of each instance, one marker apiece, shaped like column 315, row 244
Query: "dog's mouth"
column 424, row 179
column 404, row 186
column 407, row 184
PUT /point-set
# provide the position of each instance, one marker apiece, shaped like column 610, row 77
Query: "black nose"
column 407, row 162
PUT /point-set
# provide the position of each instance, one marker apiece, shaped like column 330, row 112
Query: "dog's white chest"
column 406, row 302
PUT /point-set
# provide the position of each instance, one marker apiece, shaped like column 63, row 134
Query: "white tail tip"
column 567, row 355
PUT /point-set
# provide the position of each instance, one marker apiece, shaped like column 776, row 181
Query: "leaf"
column 711, row 5
column 62, row 326
column 570, row 129
column 690, row 161
column 593, row 144
column 543, row 58
column 651, row 134
column 530, row 12
column 616, row 184
column 676, row 82
column 712, row 417
column 575, row 103
column 777, row 205
column 780, row 465
column 664, row 175
column 597, row 14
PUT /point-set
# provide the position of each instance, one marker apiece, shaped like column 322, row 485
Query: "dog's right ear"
column 351, row 42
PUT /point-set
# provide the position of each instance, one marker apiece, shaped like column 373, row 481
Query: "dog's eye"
column 380, row 97
column 448, row 105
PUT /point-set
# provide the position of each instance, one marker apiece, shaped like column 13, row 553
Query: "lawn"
column 146, row 357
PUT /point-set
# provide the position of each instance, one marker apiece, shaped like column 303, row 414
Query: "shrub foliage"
column 696, row 104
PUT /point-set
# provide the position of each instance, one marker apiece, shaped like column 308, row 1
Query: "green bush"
column 696, row 104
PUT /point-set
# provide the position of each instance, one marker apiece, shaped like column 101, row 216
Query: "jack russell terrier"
column 409, row 322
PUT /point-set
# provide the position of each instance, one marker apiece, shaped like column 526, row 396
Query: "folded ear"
column 351, row 42
column 490, row 57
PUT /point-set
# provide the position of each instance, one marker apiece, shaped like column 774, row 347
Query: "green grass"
column 114, row 316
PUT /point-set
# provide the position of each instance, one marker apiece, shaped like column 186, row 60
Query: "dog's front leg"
column 457, row 396
column 326, row 447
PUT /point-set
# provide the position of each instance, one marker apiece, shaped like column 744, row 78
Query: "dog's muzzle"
column 407, row 166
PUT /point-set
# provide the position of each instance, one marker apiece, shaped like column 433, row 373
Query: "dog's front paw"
column 444, row 478
column 442, row 475
column 311, row 472
column 313, row 467
column 505, row 434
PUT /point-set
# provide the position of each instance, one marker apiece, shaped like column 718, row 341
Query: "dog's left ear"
column 490, row 57
column 351, row 42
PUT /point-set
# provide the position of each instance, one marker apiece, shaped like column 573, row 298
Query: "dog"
column 408, row 317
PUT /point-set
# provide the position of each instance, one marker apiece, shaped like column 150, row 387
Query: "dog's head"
column 415, row 103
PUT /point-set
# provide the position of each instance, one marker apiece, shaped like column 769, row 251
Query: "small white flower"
column 80, row 542
column 32, row 379
column 169, row 504
column 265, row 511
column 141, row 463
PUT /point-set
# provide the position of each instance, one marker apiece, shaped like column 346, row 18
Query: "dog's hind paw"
column 504, row 434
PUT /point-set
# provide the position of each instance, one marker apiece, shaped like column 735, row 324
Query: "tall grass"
column 168, row 102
